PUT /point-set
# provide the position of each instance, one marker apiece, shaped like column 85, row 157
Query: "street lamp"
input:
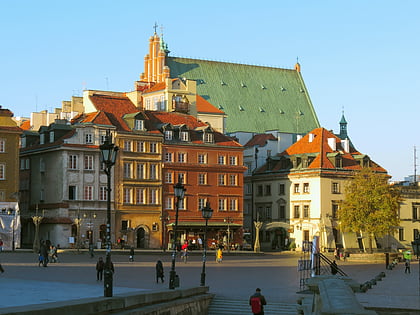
column 228, row 220
column 78, row 222
column 179, row 191
column 90, row 225
column 37, row 221
column 207, row 212
column 164, row 218
column 14, row 213
column 108, row 157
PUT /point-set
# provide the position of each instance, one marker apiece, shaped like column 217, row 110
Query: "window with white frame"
column 153, row 171
column 42, row 138
column 208, row 137
column 127, row 195
column 202, row 179
column 221, row 159
column 306, row 211
column 153, row 147
column 153, row 196
column 296, row 188
column 233, row 160
column 127, row 145
column 51, row 136
column 182, row 157
column 233, row 204
column 168, row 134
column 296, row 212
column 88, row 193
column 184, row 136
column 72, row 162
column 148, row 103
column 222, row 204
column 169, row 157
column 2, row 145
column 334, row 209
column 202, row 158
column 182, row 203
column 139, row 124
column 201, row 203
column 103, row 193
column 89, row 138
column 233, row 180
column 140, row 170
column 162, row 103
column 102, row 138
column 182, row 178
column 221, row 179
column 335, row 188
column 88, row 162
column 140, row 195
column 306, row 188
column 169, row 203
column 416, row 211
column 140, row 146
column 169, row 177
column 128, row 169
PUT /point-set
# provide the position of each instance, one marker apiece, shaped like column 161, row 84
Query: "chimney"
column 311, row 137
column 332, row 144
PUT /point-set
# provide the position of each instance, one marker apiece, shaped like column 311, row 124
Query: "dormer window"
column 184, row 136
column 88, row 138
column 42, row 138
column 208, row 137
column 338, row 162
column 51, row 136
column 168, row 134
column 139, row 124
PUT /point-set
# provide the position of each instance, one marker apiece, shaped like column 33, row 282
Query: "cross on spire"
column 155, row 27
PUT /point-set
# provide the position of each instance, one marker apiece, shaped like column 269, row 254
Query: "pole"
column 108, row 269
column 172, row 274
column 203, row 272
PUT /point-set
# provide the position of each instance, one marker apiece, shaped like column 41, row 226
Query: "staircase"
column 227, row 306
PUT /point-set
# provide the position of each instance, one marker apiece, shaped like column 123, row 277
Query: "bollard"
column 373, row 281
column 383, row 275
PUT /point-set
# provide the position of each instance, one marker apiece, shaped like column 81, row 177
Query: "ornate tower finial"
column 155, row 27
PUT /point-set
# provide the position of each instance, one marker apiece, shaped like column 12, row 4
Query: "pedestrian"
column 334, row 268
column 131, row 257
column 337, row 253
column 159, row 271
column 1, row 268
column 44, row 253
column 257, row 302
column 219, row 255
column 1, row 245
column 407, row 266
column 200, row 242
column 54, row 256
column 100, row 269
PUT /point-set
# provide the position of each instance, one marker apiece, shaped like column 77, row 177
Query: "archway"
column 142, row 237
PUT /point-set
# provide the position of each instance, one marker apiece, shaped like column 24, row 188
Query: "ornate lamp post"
column 90, row 226
column 179, row 192
column 164, row 218
column 228, row 220
column 78, row 222
column 108, row 157
column 207, row 212
column 37, row 221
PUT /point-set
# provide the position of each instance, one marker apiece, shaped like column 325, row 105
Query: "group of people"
column 47, row 253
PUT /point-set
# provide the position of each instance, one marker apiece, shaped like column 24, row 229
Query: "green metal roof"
column 255, row 98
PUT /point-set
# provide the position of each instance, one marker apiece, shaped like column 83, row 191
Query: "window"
column 140, row 146
column 208, row 137
column 233, row 180
column 88, row 162
column 306, row 188
column 22, row 164
column 169, row 177
column 233, row 205
column 306, row 211
column 169, row 157
column 2, row 145
column 169, row 203
column 41, row 138
column 153, row 171
column 296, row 188
column 259, row 190
column 72, row 193
column 140, row 195
column 416, row 211
column 153, row 196
column 282, row 212
column 103, row 193
column 168, row 134
column 281, row 189
column 233, row 160
column 182, row 203
column 153, row 147
column 127, row 145
column 202, row 179
column 181, row 178
column 102, row 138
column 334, row 210
column 2, row 195
column 72, row 162
column 41, row 165
column 88, row 138
column 202, row 159
column 416, row 234
column 201, row 203
column 127, row 169
column 125, row 225
column 138, row 124
column 182, row 157
column 184, row 136
column 88, row 193
column 335, row 188
column 222, row 204
column 221, row 179
column 401, row 234
column 140, row 171
column 248, row 168
column 268, row 190
column 296, row 212
column 221, row 159
column 267, row 213
column 248, row 189
column 127, row 195
column 51, row 136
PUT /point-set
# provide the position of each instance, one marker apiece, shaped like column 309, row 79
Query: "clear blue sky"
column 362, row 56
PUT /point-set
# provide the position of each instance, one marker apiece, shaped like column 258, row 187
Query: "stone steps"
column 226, row 306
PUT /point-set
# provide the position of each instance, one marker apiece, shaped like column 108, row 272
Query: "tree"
column 370, row 205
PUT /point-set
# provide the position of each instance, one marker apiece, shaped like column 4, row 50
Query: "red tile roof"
column 156, row 87
column 203, row 106
column 260, row 140
column 26, row 125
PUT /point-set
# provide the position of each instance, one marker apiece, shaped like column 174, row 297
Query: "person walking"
column 131, row 257
column 219, row 255
column 407, row 266
column 159, row 271
column 44, row 253
column 100, row 265
column 184, row 249
column 257, row 302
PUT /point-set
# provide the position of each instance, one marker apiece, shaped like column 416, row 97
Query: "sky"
column 358, row 57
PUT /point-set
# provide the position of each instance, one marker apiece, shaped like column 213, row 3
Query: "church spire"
column 343, row 127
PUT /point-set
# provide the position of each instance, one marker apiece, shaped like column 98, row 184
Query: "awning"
column 203, row 224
